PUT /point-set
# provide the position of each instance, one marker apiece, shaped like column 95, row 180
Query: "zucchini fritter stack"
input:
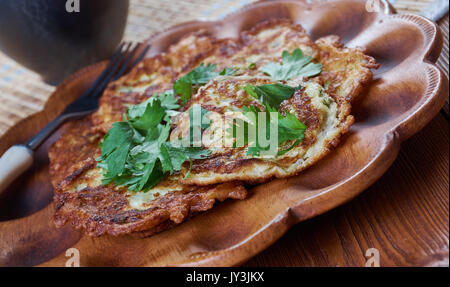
column 323, row 104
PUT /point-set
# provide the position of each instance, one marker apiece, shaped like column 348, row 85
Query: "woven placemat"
column 23, row 93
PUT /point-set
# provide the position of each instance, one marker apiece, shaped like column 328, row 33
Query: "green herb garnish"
column 327, row 102
column 289, row 128
column 270, row 94
column 168, row 103
column 294, row 64
column 198, row 76
column 136, row 152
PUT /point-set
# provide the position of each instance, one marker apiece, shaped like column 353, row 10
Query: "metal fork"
column 19, row 158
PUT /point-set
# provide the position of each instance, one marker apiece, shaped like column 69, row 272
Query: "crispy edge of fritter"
column 246, row 38
column 101, row 210
column 77, row 143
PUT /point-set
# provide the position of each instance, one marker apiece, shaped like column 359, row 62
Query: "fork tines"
column 117, row 66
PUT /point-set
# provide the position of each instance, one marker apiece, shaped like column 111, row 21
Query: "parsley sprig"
column 289, row 128
column 198, row 76
column 294, row 64
column 271, row 94
column 136, row 152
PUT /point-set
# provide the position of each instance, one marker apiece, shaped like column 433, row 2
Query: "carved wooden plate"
column 407, row 91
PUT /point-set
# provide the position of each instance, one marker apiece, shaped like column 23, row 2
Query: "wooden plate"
column 407, row 91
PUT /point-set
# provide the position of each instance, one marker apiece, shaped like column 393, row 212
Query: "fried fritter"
column 85, row 203
column 323, row 104
column 80, row 198
column 345, row 73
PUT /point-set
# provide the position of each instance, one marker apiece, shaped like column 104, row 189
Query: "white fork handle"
column 13, row 163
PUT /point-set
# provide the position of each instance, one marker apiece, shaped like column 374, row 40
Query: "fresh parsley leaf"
column 136, row 152
column 249, row 89
column 229, row 71
column 198, row 76
column 289, row 128
column 168, row 100
column 168, row 158
column 294, row 64
column 270, row 94
column 168, row 103
column 183, row 87
column 115, row 149
column 252, row 66
column 179, row 155
column 152, row 116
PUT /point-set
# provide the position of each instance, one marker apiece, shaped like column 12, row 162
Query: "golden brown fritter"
column 345, row 73
column 323, row 104
column 79, row 143
column 80, row 199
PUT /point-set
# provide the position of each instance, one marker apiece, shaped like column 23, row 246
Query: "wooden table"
column 404, row 215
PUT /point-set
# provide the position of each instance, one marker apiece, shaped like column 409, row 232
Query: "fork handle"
column 16, row 160
column 43, row 134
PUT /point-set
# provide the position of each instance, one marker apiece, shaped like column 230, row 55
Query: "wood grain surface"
column 404, row 215
column 443, row 58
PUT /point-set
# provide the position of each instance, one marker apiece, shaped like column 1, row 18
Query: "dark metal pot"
column 44, row 37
